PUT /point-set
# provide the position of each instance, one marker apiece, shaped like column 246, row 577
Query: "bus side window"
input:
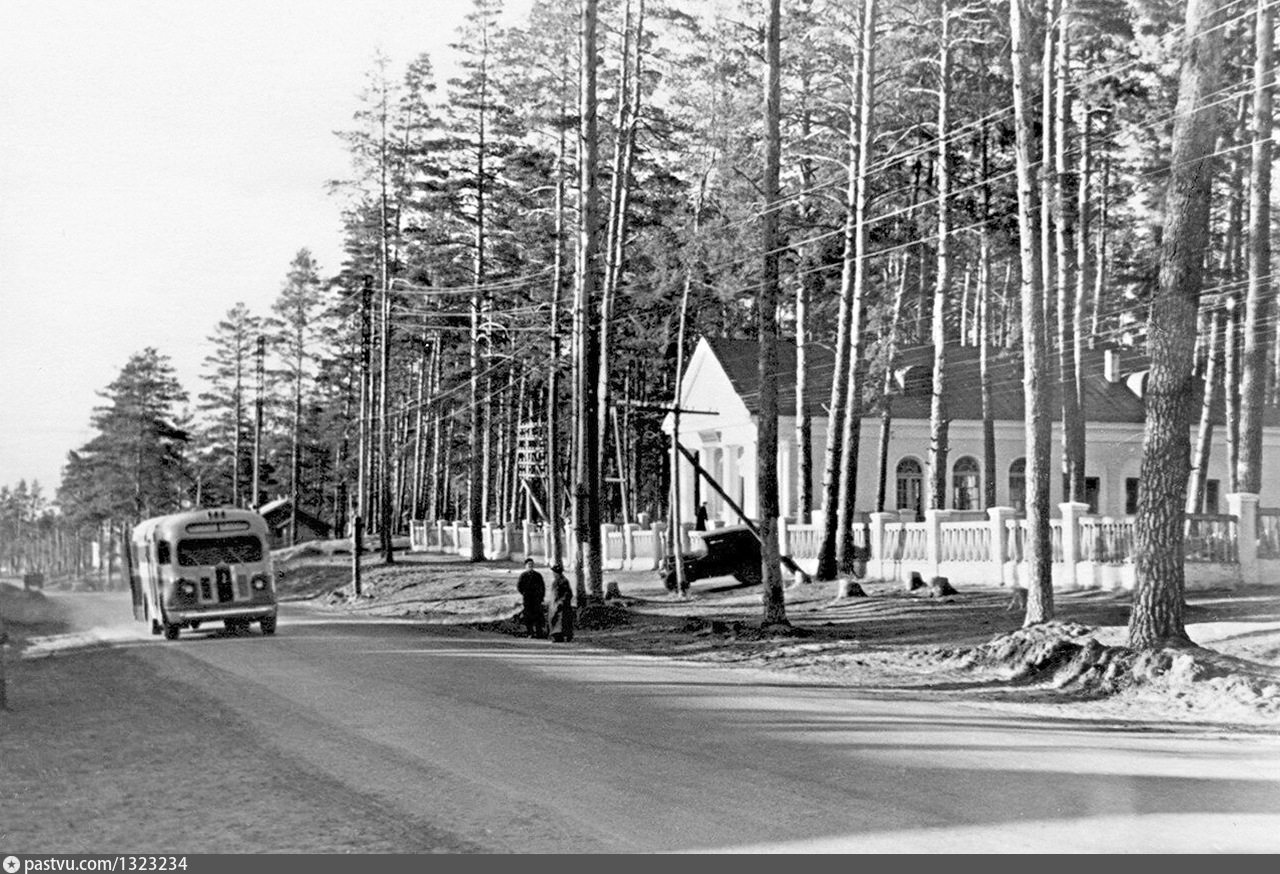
column 162, row 552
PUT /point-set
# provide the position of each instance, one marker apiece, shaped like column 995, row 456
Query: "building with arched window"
column 910, row 481
column 719, row 393
column 966, row 484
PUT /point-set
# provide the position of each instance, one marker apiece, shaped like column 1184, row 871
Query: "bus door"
column 157, row 552
column 135, row 581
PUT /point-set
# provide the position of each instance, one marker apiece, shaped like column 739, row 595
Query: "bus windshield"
column 241, row 549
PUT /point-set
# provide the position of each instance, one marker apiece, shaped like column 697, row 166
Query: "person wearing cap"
column 533, row 589
column 562, row 611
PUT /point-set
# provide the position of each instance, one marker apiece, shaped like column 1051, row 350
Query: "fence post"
column 604, row 545
column 933, row 520
column 1071, row 513
column 878, row 521
column 628, row 545
column 1244, row 506
column 999, row 540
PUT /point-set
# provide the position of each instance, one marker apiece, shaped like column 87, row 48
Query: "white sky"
column 161, row 160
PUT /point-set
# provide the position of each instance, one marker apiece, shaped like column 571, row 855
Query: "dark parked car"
column 725, row 552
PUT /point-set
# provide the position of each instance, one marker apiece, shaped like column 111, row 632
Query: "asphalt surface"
column 529, row 746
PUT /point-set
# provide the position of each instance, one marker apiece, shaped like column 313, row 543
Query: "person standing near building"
column 562, row 610
column 533, row 589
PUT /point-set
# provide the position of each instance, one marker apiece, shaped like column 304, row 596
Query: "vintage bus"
column 201, row 566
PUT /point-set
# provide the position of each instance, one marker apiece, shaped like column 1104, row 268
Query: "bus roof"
column 220, row 520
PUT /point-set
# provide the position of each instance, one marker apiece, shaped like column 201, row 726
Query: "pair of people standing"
column 533, row 591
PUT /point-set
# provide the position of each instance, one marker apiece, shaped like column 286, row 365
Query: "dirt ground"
column 69, row 784
column 969, row 645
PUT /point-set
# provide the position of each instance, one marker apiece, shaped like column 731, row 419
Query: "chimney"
column 1111, row 365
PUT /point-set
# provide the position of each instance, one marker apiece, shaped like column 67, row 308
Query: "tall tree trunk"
column 554, row 518
column 478, row 469
column 438, row 412
column 856, row 248
column 1100, row 254
column 1259, row 302
column 775, row 612
column 1039, row 557
column 833, row 459
column 237, row 411
column 1157, row 615
column 384, row 366
column 366, row 414
column 939, row 418
column 808, row 281
column 804, row 423
column 1204, row 438
column 1237, row 277
column 984, row 342
column 1048, row 124
column 1073, row 436
column 886, row 409
column 1084, row 182
column 620, row 195
column 295, row 448
column 260, row 365
column 587, row 504
column 682, row 321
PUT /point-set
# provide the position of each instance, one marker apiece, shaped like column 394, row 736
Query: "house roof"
column 1103, row 400
column 276, row 513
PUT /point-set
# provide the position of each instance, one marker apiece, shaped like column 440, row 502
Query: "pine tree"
column 294, row 328
column 134, row 467
column 228, row 375
column 1158, row 598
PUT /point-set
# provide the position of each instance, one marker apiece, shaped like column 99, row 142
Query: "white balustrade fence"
column 1088, row 551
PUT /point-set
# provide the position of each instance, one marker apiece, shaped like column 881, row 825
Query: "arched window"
column 966, row 479
column 1018, row 485
column 910, row 485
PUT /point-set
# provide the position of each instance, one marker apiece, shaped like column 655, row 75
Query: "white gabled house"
column 719, row 392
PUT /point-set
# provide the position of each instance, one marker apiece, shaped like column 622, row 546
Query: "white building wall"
column 1113, row 455
column 723, row 433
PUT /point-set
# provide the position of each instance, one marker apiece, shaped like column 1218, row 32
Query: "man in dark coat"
column 700, row 518
column 533, row 589
column 562, row 612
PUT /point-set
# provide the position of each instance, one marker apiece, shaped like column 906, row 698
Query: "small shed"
column 278, row 515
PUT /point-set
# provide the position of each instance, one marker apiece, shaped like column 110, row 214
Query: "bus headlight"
column 259, row 582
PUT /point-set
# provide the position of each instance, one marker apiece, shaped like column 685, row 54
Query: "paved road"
column 527, row 745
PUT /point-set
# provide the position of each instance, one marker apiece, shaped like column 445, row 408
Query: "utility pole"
column 261, row 366
column 587, row 502
column 362, row 451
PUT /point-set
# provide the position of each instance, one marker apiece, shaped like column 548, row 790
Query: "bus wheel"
column 194, row 624
column 171, row 631
column 268, row 624
column 155, row 626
